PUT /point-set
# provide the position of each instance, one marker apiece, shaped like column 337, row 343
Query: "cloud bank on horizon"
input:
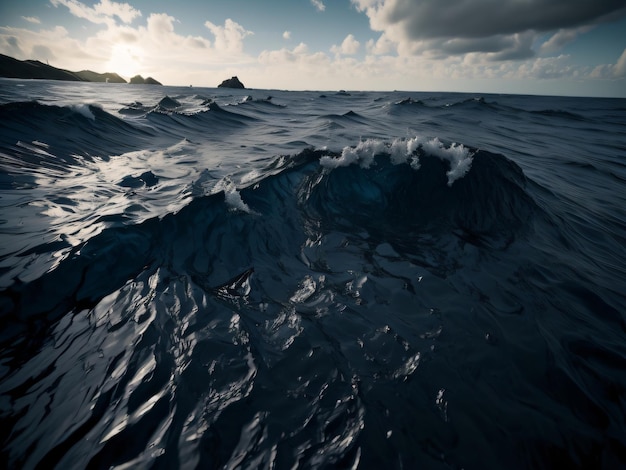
column 534, row 46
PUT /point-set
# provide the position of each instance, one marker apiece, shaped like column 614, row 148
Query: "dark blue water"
column 204, row 278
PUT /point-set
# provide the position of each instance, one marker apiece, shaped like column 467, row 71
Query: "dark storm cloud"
column 429, row 19
column 505, row 29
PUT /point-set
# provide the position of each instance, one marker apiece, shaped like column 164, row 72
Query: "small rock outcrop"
column 231, row 83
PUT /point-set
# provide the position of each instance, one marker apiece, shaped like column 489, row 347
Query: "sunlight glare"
column 125, row 60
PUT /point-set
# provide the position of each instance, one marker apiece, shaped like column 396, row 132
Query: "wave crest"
column 381, row 195
column 400, row 151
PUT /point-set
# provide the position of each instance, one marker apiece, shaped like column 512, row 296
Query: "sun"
column 125, row 60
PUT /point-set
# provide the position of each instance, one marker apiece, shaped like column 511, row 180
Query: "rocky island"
column 231, row 83
column 34, row 69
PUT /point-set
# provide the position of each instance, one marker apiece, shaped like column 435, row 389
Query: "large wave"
column 393, row 201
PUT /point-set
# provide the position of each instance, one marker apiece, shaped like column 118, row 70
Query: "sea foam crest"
column 363, row 153
column 404, row 151
column 232, row 196
column 459, row 157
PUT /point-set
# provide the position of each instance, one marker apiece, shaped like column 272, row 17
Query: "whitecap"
column 232, row 196
column 402, row 151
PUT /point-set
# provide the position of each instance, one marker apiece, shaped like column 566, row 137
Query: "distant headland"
column 33, row 69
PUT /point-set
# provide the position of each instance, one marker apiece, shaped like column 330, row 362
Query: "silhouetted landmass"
column 89, row 76
column 152, row 81
column 34, row 69
column 13, row 68
column 139, row 80
column 231, row 83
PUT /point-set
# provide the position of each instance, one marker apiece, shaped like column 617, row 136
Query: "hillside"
column 34, row 69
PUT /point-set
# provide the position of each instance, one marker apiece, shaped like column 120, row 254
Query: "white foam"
column 232, row 196
column 398, row 151
column 457, row 155
column 402, row 151
column 36, row 147
column 363, row 154
column 252, row 175
column 459, row 167
column 40, row 144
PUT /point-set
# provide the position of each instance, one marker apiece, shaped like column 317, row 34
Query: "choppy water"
column 211, row 278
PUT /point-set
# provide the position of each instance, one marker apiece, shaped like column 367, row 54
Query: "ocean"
column 217, row 278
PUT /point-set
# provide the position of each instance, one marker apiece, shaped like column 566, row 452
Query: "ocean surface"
column 214, row 278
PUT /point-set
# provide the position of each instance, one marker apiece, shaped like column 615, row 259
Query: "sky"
column 546, row 47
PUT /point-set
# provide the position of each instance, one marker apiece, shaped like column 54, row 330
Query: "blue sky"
column 563, row 47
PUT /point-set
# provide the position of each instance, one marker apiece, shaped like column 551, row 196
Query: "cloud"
column 103, row 12
column 615, row 71
column 228, row 38
column 619, row 70
column 13, row 41
column 502, row 29
column 287, row 35
column 43, row 52
column 299, row 53
column 543, row 68
column 427, row 19
column 349, row 46
column 10, row 44
column 318, row 4
column 46, row 44
column 515, row 46
column 563, row 37
column 161, row 25
column 32, row 19
column 379, row 47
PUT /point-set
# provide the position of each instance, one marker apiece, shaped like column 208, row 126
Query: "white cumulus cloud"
column 228, row 38
column 349, row 46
